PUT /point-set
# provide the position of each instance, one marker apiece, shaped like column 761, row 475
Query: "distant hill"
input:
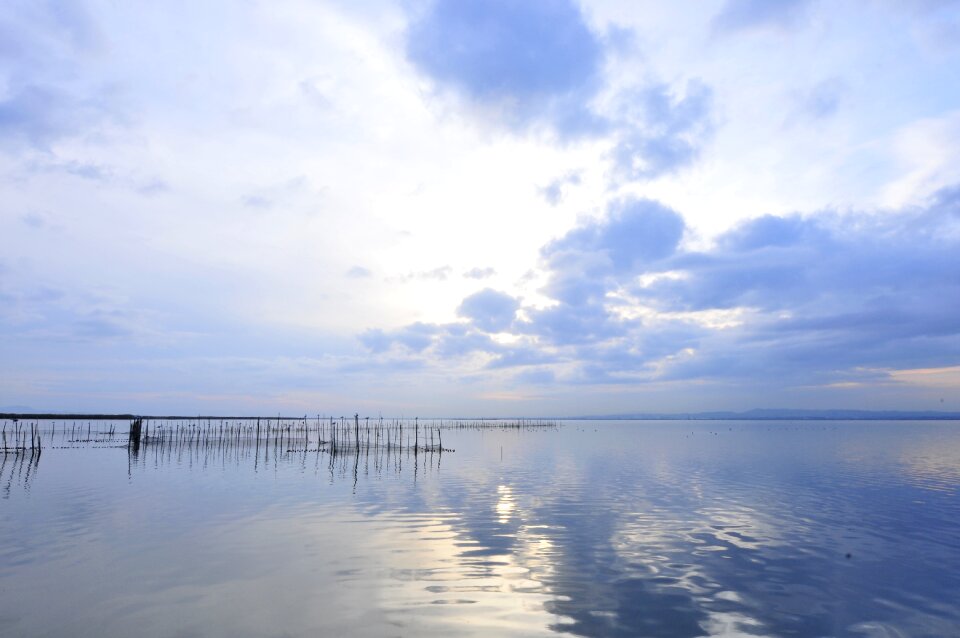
column 782, row 414
column 15, row 409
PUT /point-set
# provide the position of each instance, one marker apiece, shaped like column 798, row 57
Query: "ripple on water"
column 617, row 529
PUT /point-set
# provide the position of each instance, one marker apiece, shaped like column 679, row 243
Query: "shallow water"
column 678, row 528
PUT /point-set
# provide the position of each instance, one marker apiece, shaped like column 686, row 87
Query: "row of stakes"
column 337, row 435
column 22, row 439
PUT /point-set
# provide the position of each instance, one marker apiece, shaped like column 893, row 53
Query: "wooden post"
column 135, row 428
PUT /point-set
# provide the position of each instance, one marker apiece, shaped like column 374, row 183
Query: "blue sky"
column 460, row 207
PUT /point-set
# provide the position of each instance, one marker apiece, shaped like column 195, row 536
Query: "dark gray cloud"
column 555, row 190
column 100, row 326
column 498, row 47
column 535, row 377
column 539, row 65
column 153, row 187
column 43, row 43
column 440, row 273
column 36, row 115
column 489, row 310
column 828, row 292
column 42, row 313
column 820, row 101
column 415, row 337
column 583, row 263
column 633, row 234
column 419, row 339
column 587, row 322
column 32, row 30
column 84, row 170
column 34, row 220
column 359, row 272
column 774, row 263
column 529, row 58
column 458, row 340
column 793, row 300
column 659, row 131
column 519, row 356
column 737, row 15
column 946, row 201
column 257, row 201
column 479, row 273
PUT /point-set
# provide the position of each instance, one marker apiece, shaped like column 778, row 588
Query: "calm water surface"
column 597, row 529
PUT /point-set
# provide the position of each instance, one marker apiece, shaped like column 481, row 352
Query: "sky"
column 466, row 208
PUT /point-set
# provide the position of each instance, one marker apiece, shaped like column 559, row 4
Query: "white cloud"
column 927, row 155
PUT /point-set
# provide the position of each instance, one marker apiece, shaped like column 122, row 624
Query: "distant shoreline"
column 753, row 415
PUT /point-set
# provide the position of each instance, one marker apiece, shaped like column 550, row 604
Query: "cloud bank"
column 799, row 300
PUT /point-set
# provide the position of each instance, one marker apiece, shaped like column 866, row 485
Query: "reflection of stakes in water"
column 204, row 441
column 25, row 439
column 23, row 467
column 6, row 488
column 279, row 433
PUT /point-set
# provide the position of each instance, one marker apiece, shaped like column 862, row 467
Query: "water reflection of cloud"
column 656, row 535
column 676, row 553
column 336, row 571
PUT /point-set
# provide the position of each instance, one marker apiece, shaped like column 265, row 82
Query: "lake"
column 590, row 528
